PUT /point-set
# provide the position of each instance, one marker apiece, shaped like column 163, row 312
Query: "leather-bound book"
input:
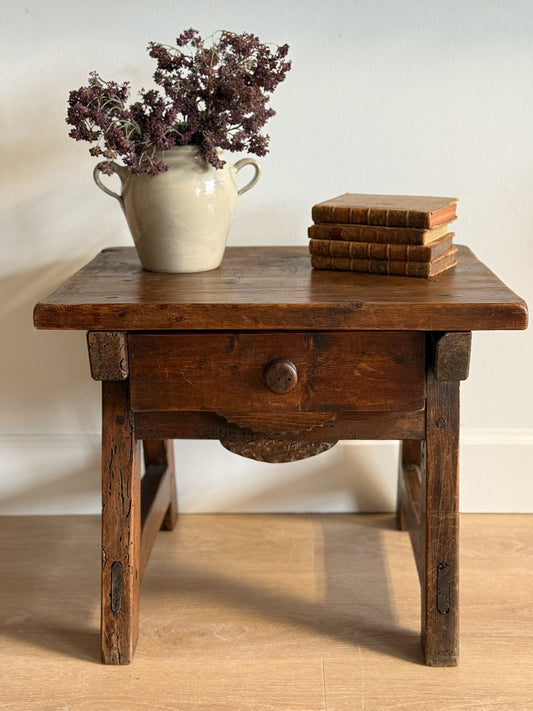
column 378, row 235
column 386, row 210
column 383, row 266
column 376, row 251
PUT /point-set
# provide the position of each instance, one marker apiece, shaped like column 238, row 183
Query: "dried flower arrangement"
column 214, row 96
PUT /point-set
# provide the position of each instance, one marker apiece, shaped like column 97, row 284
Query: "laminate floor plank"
column 265, row 613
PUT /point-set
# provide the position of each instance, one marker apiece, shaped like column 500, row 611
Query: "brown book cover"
column 388, row 252
column 382, row 266
column 379, row 235
column 386, row 210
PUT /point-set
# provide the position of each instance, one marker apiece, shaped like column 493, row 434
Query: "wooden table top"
column 264, row 288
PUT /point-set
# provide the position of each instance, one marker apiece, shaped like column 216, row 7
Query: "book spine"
column 370, row 250
column 371, row 266
column 376, row 266
column 378, row 217
column 368, row 233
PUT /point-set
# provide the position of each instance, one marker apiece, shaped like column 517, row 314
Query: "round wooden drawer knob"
column 280, row 375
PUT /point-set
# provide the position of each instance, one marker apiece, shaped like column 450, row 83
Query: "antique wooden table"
column 278, row 361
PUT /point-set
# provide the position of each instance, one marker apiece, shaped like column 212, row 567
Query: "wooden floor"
column 264, row 613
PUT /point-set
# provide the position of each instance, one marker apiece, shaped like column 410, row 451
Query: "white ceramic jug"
column 180, row 219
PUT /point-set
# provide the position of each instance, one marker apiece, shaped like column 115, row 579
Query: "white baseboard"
column 497, row 471
column 60, row 474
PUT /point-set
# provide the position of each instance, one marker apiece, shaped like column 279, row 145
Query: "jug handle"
column 257, row 172
column 120, row 171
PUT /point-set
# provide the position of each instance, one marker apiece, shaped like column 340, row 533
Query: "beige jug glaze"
column 180, row 219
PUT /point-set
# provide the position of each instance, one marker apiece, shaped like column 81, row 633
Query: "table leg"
column 159, row 506
column 121, row 525
column 428, row 496
column 439, row 523
column 408, row 502
column 159, row 458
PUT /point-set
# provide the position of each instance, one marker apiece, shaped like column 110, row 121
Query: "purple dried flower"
column 211, row 96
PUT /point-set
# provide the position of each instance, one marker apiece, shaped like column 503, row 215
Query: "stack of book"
column 384, row 234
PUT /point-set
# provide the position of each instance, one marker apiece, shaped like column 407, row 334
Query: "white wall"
column 405, row 96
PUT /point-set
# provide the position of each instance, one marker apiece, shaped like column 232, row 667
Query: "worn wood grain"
column 158, row 494
column 410, row 455
column 439, row 558
column 382, row 371
column 155, row 495
column 409, row 500
column 108, row 355
column 279, row 422
column 451, row 355
column 346, row 425
column 158, row 457
column 275, row 288
column 121, row 526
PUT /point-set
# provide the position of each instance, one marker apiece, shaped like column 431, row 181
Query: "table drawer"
column 253, row 372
